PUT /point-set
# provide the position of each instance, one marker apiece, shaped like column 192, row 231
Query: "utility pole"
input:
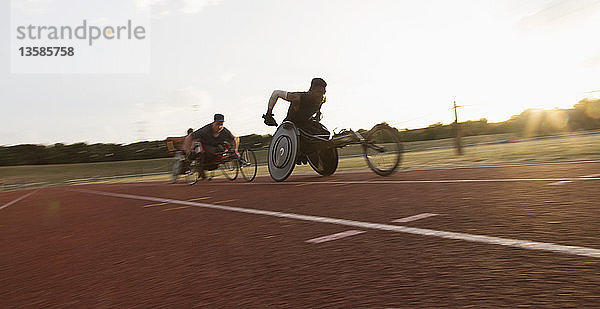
column 457, row 131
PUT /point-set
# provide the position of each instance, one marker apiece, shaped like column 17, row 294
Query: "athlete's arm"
column 292, row 97
column 234, row 139
column 236, row 143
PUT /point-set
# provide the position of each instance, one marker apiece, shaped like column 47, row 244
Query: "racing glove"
column 269, row 120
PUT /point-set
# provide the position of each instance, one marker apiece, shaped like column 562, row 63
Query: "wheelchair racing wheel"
column 230, row 170
column 325, row 160
column 178, row 161
column 283, row 151
column 192, row 176
column 383, row 150
column 248, row 164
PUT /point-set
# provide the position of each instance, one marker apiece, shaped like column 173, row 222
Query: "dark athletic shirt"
column 206, row 136
column 306, row 110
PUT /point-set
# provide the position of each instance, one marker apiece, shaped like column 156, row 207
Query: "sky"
column 403, row 62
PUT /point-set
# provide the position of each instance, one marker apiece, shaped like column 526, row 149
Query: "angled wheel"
column 248, row 164
column 283, row 151
column 382, row 149
column 230, row 169
column 324, row 161
column 177, row 167
column 192, row 175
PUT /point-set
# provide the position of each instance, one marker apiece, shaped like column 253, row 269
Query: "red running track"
column 67, row 248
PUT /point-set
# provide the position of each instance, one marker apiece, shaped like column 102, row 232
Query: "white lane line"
column 558, row 183
column 335, row 236
column 591, row 176
column 388, row 182
column 418, row 169
column 516, row 243
column 415, row 217
column 500, row 165
column 14, row 201
column 382, row 182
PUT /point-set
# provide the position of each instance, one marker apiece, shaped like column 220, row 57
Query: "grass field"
column 583, row 147
column 57, row 173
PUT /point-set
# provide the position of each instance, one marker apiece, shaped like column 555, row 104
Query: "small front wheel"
column 382, row 149
column 248, row 164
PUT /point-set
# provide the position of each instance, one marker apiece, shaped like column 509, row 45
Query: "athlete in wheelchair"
column 210, row 140
column 212, row 147
column 302, row 139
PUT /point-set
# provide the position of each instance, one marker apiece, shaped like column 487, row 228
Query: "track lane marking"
column 385, row 181
column 199, row 198
column 591, row 176
column 226, row 201
column 160, row 204
column 415, row 217
column 152, row 205
column 391, row 182
column 507, row 242
column 340, row 184
column 335, row 236
column 558, row 183
column 18, row 199
column 175, row 208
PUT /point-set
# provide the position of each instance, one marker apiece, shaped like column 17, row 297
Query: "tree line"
column 585, row 115
column 59, row 153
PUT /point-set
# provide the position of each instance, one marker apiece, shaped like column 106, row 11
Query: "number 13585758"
column 46, row 51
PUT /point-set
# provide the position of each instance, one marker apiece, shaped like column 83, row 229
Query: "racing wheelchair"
column 380, row 146
column 230, row 164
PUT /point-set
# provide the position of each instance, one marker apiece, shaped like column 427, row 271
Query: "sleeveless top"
column 306, row 110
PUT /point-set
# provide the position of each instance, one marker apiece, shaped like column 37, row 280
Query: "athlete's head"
column 190, row 131
column 217, row 124
column 317, row 89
